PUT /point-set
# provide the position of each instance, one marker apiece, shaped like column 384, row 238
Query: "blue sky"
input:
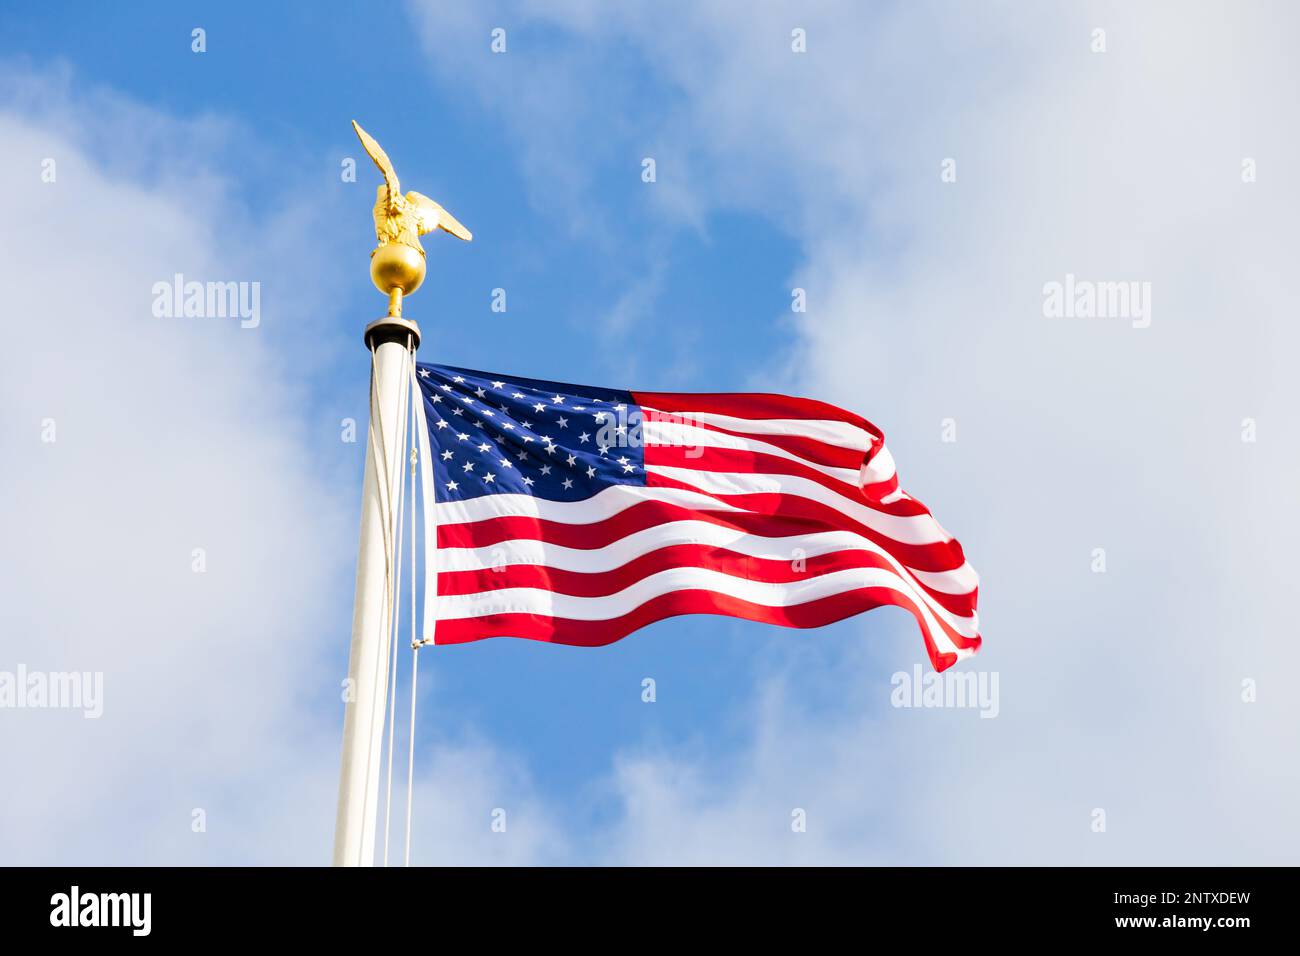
column 775, row 170
column 293, row 79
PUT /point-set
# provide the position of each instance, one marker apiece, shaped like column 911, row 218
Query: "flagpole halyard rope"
column 416, row 643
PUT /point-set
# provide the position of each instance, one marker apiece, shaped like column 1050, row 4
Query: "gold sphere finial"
column 397, row 265
column 396, row 270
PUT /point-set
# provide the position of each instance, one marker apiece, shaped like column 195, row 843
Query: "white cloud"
column 170, row 435
column 221, row 688
column 478, row 807
column 1121, row 690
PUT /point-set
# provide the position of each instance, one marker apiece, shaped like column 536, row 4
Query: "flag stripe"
column 950, row 591
column 781, row 516
column 661, row 434
column 809, row 449
column 732, row 486
column 535, row 549
column 761, row 410
column 597, row 633
column 759, row 464
column 489, row 575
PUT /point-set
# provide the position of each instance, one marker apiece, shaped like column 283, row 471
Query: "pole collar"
column 391, row 329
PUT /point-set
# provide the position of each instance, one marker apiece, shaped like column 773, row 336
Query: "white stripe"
column 905, row 529
column 677, row 435
column 908, row 529
column 550, row 604
column 603, row 505
column 881, row 468
column 961, row 580
column 525, row 551
column 620, row 552
column 824, row 430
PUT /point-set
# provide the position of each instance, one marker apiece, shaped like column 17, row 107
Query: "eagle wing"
column 376, row 152
column 431, row 216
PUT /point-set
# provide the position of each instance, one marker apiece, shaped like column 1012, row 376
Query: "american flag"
column 574, row 514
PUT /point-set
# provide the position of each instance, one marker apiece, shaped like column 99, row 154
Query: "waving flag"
column 574, row 514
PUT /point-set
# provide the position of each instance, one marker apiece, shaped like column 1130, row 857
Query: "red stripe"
column 772, row 516
column 751, row 405
column 804, row 514
column 740, row 461
column 598, row 633
column 709, row 557
column 810, row 449
column 759, row 405
column 876, row 491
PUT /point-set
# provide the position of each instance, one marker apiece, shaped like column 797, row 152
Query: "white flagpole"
column 363, row 722
column 397, row 268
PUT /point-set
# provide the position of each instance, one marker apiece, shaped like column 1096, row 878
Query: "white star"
column 619, row 408
column 527, row 424
column 469, row 466
column 480, row 391
column 445, row 387
column 628, row 468
column 458, row 380
column 452, row 486
column 591, row 472
column 489, row 477
column 498, row 384
column 446, row 456
column 517, row 395
column 578, row 408
column 568, row 483
column 508, row 427
column 528, row 482
column 620, row 430
column 546, row 469
column 539, row 407
column 563, row 422
column 436, row 399
column 484, row 447
column 622, row 461
column 603, row 448
column 600, row 416
column 522, row 456
column 529, row 438
column 572, row 461
column 505, row 463
column 584, row 438
column 462, row 436
column 558, row 400
column 458, row 411
column 424, row 373
column 488, row 413
column 442, row 423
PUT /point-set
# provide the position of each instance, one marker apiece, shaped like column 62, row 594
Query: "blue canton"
column 496, row 434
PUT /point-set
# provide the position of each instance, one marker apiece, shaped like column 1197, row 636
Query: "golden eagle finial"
column 397, row 264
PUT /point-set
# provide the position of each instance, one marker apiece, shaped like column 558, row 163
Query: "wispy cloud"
column 1118, row 157
column 179, row 530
